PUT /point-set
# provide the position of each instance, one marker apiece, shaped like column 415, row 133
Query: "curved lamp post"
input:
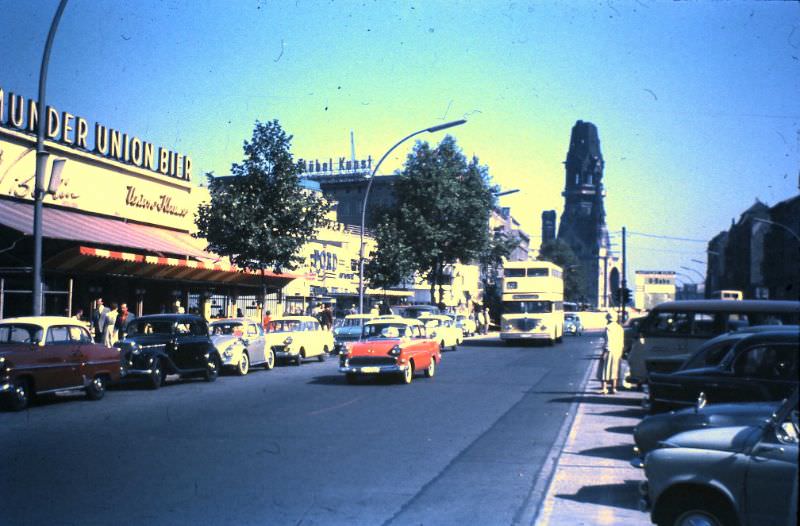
column 702, row 278
column 432, row 129
column 779, row 225
column 41, row 164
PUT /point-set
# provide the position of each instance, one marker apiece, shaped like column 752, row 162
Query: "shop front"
column 116, row 225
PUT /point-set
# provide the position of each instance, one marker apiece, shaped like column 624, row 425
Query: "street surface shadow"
column 600, row 399
column 340, row 379
column 625, row 413
column 625, row 495
column 484, row 342
column 623, row 430
column 620, row 452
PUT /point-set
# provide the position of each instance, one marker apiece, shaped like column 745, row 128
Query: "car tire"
column 700, row 508
column 441, row 345
column 212, row 369
column 269, row 364
column 20, row 397
column 321, row 357
column 408, row 375
column 430, row 371
column 96, row 388
column 157, row 374
column 298, row 361
column 243, row 367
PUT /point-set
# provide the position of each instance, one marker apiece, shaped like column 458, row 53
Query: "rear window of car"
column 148, row 327
column 19, row 333
column 284, row 326
column 709, row 356
column 226, row 329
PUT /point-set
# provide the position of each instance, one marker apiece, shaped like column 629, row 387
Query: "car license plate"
column 368, row 370
column 526, row 335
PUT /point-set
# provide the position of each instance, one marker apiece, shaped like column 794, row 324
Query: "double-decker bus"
column 533, row 301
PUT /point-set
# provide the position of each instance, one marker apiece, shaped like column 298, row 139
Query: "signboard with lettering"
column 341, row 166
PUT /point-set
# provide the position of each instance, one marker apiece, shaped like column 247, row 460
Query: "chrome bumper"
column 373, row 369
column 524, row 335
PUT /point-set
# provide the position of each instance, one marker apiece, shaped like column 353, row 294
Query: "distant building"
column 583, row 222
column 760, row 253
column 548, row 225
column 654, row 287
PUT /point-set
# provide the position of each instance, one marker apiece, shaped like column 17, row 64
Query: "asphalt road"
column 297, row 445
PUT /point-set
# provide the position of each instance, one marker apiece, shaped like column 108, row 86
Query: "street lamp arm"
column 702, row 278
column 779, row 225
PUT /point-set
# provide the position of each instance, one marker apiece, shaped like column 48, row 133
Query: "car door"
column 771, row 484
column 419, row 344
column 254, row 335
column 766, row 372
column 63, row 355
column 197, row 343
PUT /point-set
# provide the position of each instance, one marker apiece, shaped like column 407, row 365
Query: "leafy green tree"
column 261, row 216
column 559, row 252
column 391, row 262
column 442, row 212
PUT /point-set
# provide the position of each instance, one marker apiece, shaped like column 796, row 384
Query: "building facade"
column 654, row 287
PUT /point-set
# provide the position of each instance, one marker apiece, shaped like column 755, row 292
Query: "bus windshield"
column 527, row 307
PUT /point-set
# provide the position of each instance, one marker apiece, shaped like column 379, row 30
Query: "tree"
column 261, row 216
column 559, row 252
column 442, row 212
column 391, row 262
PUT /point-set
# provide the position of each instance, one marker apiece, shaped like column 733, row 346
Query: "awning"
column 389, row 293
column 59, row 223
column 92, row 259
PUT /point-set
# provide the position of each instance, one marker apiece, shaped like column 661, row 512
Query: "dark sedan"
column 164, row 344
column 759, row 367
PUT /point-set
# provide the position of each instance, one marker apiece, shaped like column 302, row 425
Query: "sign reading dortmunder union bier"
column 108, row 171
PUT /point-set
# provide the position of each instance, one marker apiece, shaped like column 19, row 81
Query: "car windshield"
column 353, row 322
column 384, row 331
column 284, row 326
column 20, row 333
column 527, row 307
column 709, row 356
column 226, row 329
column 150, row 327
column 570, row 317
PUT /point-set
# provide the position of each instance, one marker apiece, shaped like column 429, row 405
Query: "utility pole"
column 624, row 285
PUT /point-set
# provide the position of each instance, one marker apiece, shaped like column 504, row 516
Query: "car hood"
column 347, row 331
column 223, row 340
column 733, row 439
column 374, row 347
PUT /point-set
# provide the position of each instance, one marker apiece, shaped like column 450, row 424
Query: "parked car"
column 241, row 344
column 415, row 311
column 466, row 324
column 296, row 338
column 631, row 331
column 349, row 330
column 46, row 354
column 654, row 429
column 572, row 324
column 162, row 344
column 759, row 367
column 442, row 328
column 740, row 475
column 673, row 330
column 398, row 347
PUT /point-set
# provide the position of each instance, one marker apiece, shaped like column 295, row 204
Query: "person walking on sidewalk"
column 612, row 353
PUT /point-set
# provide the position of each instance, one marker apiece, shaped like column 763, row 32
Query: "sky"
column 697, row 104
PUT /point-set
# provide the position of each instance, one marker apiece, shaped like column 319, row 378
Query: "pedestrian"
column 239, row 313
column 614, row 341
column 488, row 320
column 78, row 315
column 352, row 309
column 327, row 317
column 481, row 321
column 124, row 318
column 266, row 320
column 374, row 310
column 99, row 319
column 384, row 309
column 109, row 334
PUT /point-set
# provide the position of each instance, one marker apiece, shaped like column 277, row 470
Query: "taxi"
column 297, row 338
column 396, row 347
column 443, row 328
column 349, row 330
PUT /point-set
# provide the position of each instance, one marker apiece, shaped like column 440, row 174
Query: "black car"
column 759, row 367
column 163, row 344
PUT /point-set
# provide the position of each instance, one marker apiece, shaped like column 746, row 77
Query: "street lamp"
column 432, row 129
column 41, row 164
column 779, row 225
column 702, row 278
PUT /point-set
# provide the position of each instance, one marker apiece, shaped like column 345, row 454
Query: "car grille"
column 525, row 324
column 372, row 360
column 346, row 338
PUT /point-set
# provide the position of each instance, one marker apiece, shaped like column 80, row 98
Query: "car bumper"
column 525, row 336
column 373, row 369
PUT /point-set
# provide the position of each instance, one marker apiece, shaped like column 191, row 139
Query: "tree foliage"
column 559, row 252
column 442, row 211
column 261, row 216
column 392, row 262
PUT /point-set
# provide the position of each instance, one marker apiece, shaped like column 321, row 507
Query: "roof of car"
column 436, row 317
column 295, row 318
column 404, row 321
column 233, row 320
column 365, row 316
column 746, row 332
column 170, row 317
column 730, row 305
column 45, row 321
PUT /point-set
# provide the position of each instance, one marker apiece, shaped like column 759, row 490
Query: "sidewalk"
column 593, row 483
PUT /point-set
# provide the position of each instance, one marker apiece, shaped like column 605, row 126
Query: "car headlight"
column 288, row 340
column 228, row 353
column 395, row 351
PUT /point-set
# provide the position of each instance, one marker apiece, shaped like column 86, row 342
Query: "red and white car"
column 399, row 347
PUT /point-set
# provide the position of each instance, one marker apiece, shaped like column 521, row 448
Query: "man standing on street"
column 99, row 320
column 123, row 319
column 614, row 341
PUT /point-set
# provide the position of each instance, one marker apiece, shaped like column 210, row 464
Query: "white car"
column 467, row 324
column 296, row 338
column 443, row 329
column 241, row 344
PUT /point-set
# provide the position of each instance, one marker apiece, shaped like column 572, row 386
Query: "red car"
column 398, row 347
column 45, row 354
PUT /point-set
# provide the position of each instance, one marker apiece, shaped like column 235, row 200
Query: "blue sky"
column 696, row 103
